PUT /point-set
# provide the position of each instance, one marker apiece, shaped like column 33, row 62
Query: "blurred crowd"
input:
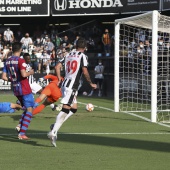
column 136, row 45
column 46, row 46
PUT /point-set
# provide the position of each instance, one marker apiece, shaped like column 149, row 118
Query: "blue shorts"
column 5, row 107
column 26, row 100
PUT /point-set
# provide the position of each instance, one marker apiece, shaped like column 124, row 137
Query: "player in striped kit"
column 75, row 65
column 35, row 87
column 15, row 69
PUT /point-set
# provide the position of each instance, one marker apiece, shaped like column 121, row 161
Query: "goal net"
column 142, row 66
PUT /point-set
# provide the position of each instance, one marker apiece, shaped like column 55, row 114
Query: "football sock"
column 38, row 109
column 59, row 121
column 38, row 100
column 68, row 115
column 25, row 122
column 20, row 120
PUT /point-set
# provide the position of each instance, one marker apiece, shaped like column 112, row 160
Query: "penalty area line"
column 123, row 133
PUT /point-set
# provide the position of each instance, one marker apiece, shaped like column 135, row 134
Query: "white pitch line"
column 123, row 133
column 132, row 114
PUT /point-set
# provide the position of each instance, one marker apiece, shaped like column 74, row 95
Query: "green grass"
column 98, row 140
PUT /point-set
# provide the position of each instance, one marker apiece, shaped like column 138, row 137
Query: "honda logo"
column 60, row 5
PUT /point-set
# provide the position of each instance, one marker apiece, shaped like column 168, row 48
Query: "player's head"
column 27, row 58
column 16, row 47
column 81, row 44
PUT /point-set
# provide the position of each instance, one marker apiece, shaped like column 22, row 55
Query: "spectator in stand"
column 45, row 61
column 137, row 35
column 75, row 41
column 149, row 35
column 44, row 34
column 8, row 37
column 106, row 40
column 140, row 56
column 147, row 64
column 142, row 36
column 166, row 38
column 66, row 43
column 1, row 42
column 141, row 44
column 44, row 38
column 34, row 61
column 18, row 36
column 148, row 47
column 38, row 44
column 53, row 58
column 53, row 33
column 161, row 52
column 49, row 46
column 161, row 45
column 57, row 42
column 4, row 54
column 99, row 77
column 26, row 41
column 133, row 44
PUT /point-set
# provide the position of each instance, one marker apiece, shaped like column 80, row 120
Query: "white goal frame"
column 154, row 27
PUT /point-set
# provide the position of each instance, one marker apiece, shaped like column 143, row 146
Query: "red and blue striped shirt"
column 13, row 67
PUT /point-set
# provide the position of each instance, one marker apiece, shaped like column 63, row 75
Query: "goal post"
column 154, row 66
column 141, row 82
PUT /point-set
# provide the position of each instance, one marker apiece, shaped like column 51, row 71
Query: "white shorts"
column 35, row 87
column 68, row 96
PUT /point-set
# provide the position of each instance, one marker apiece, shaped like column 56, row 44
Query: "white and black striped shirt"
column 31, row 78
column 74, row 61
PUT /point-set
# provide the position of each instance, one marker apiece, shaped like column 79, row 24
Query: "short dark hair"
column 81, row 43
column 16, row 46
column 26, row 55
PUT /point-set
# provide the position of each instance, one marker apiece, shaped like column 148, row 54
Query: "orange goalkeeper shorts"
column 53, row 92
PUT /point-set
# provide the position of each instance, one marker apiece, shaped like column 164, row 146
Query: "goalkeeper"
column 49, row 95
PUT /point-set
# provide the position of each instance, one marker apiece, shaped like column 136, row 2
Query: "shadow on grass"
column 15, row 139
column 89, row 140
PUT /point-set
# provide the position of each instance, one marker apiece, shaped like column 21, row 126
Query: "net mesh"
column 135, row 65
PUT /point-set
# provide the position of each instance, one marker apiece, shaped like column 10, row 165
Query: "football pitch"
column 97, row 140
